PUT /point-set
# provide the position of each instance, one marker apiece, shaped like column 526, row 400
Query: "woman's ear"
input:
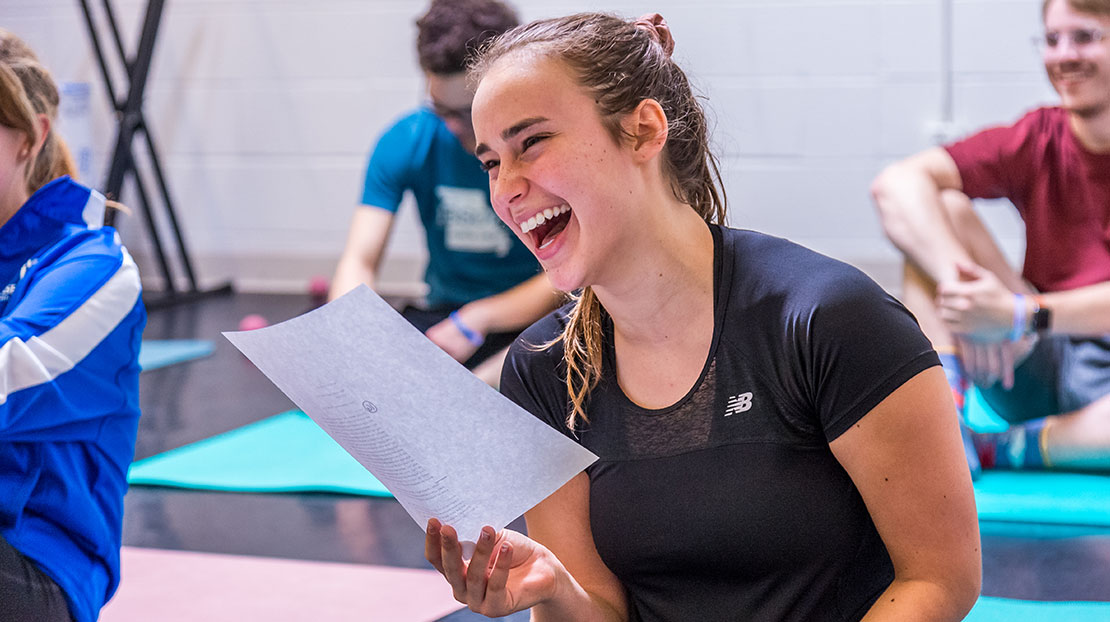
column 42, row 126
column 33, row 144
column 647, row 125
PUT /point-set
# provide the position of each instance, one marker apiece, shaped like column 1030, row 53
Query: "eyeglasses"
column 1080, row 37
column 447, row 113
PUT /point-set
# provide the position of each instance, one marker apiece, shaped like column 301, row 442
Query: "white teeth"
column 543, row 217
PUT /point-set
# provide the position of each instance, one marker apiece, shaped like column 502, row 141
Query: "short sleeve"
column 533, row 376
column 861, row 345
column 994, row 162
column 389, row 169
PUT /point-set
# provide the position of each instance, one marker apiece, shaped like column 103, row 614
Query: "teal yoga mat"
column 283, row 453
column 1045, row 497
column 290, row 453
column 160, row 353
column 990, row 609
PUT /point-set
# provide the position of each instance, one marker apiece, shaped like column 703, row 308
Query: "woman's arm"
column 906, row 459
column 74, row 304
column 557, row 572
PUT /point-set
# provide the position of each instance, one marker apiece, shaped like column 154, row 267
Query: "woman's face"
column 13, row 166
column 558, row 178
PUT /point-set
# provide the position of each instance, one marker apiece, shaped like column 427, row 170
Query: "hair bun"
column 658, row 29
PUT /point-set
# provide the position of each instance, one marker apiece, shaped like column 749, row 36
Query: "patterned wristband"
column 476, row 339
column 1020, row 327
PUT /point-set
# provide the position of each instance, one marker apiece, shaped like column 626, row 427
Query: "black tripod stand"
column 129, row 113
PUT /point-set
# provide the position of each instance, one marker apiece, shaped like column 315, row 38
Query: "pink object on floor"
column 253, row 322
column 318, row 287
column 172, row 586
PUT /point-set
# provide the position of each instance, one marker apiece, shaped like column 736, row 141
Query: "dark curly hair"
column 452, row 29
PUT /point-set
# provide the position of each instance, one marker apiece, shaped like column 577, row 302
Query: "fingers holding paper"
column 508, row 572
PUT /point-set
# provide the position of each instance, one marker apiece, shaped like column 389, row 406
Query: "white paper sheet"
column 444, row 443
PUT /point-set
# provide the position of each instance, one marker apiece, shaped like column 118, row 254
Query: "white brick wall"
column 265, row 110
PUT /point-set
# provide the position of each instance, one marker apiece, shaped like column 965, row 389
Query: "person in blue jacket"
column 71, row 321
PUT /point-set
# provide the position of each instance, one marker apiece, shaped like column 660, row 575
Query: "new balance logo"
column 739, row 403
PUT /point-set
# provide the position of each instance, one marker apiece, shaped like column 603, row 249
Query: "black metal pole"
column 130, row 120
column 113, row 25
column 99, row 51
column 152, row 228
column 183, row 252
column 132, row 108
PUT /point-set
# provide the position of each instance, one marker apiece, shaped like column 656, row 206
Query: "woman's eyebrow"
column 511, row 132
column 520, row 126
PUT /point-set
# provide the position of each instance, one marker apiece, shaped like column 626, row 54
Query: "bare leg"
column 919, row 290
column 1079, row 440
column 918, row 294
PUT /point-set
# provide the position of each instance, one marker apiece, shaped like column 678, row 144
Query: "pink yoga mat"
column 171, row 586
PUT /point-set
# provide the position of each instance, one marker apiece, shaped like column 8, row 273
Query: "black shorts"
column 1060, row 375
column 26, row 593
column 424, row 319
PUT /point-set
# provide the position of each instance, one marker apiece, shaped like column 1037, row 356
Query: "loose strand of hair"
column 582, row 342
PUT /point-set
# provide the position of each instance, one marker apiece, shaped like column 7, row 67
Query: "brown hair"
column 1097, row 7
column 28, row 91
column 452, row 29
column 621, row 63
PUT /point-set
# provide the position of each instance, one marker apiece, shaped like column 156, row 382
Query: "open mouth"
column 545, row 226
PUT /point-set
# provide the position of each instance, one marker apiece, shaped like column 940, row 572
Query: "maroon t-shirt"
column 1061, row 190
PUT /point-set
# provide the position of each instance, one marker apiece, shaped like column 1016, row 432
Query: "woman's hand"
column 508, row 572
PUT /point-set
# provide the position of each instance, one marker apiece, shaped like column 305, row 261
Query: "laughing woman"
column 776, row 438
column 70, row 326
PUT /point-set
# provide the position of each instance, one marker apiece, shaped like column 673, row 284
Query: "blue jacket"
column 71, row 322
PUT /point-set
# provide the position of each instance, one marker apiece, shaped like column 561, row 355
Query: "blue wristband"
column 472, row 336
column 1020, row 326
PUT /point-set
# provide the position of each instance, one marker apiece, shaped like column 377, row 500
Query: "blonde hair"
column 27, row 90
column 621, row 63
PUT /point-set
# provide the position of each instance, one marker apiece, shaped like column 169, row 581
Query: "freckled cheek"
column 505, row 217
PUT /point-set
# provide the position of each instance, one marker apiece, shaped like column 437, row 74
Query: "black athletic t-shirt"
column 729, row 505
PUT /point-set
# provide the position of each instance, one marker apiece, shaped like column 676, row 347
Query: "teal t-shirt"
column 471, row 253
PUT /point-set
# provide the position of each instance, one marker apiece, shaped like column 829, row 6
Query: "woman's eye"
column 531, row 140
column 489, row 165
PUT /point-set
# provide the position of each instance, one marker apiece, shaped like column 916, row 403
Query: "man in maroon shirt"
column 1036, row 344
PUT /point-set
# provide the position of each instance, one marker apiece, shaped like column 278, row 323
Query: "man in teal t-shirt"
column 484, row 286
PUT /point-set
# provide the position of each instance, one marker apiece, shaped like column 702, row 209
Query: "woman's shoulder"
column 541, row 342
column 102, row 245
column 534, row 372
column 767, row 262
